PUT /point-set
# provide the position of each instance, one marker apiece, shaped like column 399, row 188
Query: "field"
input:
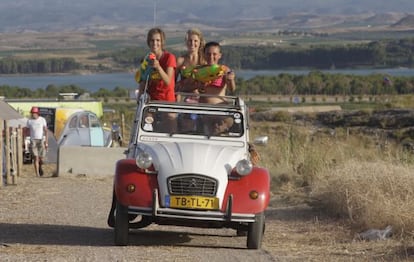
column 85, row 44
column 365, row 181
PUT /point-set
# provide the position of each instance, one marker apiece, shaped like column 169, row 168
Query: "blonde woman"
column 194, row 56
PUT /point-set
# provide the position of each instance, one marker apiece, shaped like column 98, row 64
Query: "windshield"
column 227, row 123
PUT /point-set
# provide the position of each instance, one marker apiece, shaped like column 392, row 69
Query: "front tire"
column 121, row 225
column 255, row 232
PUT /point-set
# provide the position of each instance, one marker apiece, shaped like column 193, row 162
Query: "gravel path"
column 64, row 219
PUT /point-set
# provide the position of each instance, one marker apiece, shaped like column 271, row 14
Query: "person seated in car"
column 84, row 122
column 187, row 123
column 217, row 125
column 221, row 126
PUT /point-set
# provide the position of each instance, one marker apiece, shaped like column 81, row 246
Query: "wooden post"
column 7, row 143
column 19, row 150
column 123, row 126
column 13, row 146
column 1, row 153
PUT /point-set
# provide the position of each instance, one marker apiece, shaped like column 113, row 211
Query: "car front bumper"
column 156, row 211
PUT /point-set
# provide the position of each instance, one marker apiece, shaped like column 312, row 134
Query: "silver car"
column 84, row 129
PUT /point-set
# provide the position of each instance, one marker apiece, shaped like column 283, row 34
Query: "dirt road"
column 64, row 219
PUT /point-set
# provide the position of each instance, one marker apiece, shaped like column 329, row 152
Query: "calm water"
column 94, row 82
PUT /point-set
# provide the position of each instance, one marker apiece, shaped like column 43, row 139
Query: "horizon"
column 55, row 15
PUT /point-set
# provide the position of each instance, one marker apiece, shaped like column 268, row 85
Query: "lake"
column 94, row 82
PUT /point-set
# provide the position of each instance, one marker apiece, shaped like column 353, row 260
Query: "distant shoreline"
column 293, row 70
column 95, row 81
column 83, row 72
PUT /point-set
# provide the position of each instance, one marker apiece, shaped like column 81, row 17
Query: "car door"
column 96, row 133
column 83, row 131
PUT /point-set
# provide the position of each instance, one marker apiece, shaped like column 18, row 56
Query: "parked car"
column 194, row 171
column 84, row 129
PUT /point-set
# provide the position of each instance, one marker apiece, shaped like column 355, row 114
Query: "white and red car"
column 188, row 164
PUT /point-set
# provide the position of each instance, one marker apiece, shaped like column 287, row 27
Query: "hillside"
column 407, row 21
column 52, row 15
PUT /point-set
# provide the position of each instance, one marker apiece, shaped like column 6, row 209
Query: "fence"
column 11, row 153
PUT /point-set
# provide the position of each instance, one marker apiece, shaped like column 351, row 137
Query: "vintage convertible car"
column 188, row 164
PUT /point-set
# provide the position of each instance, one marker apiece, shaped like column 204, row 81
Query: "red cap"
column 34, row 110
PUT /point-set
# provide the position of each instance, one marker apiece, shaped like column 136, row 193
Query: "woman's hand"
column 156, row 64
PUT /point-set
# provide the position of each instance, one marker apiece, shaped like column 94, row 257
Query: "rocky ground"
column 64, row 219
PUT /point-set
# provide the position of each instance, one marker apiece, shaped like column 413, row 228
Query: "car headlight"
column 144, row 160
column 244, row 167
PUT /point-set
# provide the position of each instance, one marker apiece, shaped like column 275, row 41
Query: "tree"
column 52, row 91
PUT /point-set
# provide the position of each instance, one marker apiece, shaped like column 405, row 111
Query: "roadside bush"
column 343, row 174
column 293, row 152
column 371, row 194
column 272, row 116
column 281, row 116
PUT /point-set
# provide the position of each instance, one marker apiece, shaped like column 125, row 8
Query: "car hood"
column 187, row 157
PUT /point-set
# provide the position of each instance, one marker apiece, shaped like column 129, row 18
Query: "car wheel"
column 255, row 232
column 111, row 215
column 121, row 225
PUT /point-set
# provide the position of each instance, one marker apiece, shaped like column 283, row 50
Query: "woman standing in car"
column 194, row 56
column 161, row 81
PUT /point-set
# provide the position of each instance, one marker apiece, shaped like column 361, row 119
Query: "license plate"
column 192, row 202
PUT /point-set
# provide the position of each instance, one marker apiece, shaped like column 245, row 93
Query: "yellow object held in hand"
column 146, row 70
column 204, row 73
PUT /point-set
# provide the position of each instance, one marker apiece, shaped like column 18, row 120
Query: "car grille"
column 191, row 184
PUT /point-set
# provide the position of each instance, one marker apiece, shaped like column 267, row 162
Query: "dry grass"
column 295, row 231
column 371, row 194
column 366, row 180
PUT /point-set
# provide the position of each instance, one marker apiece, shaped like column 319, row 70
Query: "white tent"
column 7, row 112
column 17, row 122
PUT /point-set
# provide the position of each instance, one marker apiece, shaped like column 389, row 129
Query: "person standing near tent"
column 38, row 139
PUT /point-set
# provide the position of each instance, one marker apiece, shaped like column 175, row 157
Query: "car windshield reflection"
column 192, row 122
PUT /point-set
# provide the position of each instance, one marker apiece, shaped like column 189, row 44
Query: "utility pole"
column 155, row 13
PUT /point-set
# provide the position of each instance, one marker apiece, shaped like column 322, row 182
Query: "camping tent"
column 7, row 112
column 14, row 119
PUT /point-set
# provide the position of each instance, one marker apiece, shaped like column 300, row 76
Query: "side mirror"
column 261, row 140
